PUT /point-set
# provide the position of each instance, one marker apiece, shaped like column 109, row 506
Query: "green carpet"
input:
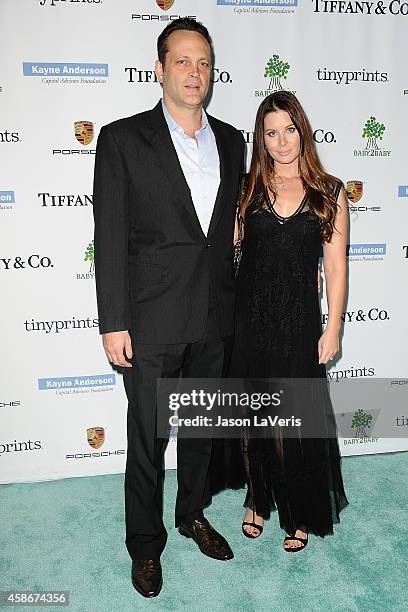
column 68, row 534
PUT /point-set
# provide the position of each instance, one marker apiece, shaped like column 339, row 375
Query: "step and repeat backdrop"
column 67, row 67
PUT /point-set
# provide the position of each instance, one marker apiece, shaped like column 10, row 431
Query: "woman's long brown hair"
column 311, row 171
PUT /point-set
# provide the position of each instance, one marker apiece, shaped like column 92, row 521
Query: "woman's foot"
column 296, row 541
column 252, row 525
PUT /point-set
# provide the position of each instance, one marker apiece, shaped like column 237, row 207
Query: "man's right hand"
column 118, row 344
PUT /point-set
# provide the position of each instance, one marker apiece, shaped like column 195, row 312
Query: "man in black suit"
column 165, row 193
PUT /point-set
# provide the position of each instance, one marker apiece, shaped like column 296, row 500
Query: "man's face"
column 186, row 73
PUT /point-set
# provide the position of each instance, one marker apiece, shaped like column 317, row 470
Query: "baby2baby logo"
column 89, row 260
column 276, row 72
column 373, row 131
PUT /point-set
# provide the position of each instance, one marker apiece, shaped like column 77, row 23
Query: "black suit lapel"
column 224, row 155
column 164, row 149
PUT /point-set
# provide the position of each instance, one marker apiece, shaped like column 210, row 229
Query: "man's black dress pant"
column 146, row 534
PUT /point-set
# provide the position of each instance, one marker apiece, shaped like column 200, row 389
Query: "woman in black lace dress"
column 290, row 209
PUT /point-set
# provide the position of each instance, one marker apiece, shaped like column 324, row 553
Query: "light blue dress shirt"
column 200, row 163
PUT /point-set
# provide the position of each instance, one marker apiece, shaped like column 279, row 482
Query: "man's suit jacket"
column 153, row 263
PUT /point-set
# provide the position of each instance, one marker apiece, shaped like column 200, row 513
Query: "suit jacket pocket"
column 145, row 274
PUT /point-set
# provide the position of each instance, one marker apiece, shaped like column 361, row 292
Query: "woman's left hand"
column 328, row 345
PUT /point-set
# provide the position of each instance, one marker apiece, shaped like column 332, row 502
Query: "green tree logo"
column 275, row 70
column 373, row 129
column 89, row 256
column 361, row 420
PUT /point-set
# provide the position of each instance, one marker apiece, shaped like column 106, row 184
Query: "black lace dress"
column 278, row 325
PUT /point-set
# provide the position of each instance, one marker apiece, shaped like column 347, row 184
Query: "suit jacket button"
column 208, row 245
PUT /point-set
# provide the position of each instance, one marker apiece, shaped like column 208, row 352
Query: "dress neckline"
column 280, row 218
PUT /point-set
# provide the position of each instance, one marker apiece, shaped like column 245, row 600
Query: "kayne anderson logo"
column 402, row 191
column 259, row 6
column 7, row 199
column 373, row 131
column 395, row 7
column 276, row 72
column 88, row 258
column 84, row 133
column 355, row 191
column 344, row 77
column 74, row 385
column 54, row 73
column 59, row 2
column 366, row 252
column 68, row 200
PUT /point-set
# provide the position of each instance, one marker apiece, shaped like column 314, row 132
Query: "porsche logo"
column 84, row 131
column 354, row 191
column 164, row 4
column 96, row 436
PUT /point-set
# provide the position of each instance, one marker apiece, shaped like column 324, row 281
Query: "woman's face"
column 282, row 140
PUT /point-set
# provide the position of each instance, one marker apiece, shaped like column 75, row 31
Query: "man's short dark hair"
column 184, row 23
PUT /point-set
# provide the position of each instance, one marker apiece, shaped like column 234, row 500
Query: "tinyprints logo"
column 402, row 191
column 10, row 447
column 275, row 70
column 373, row 130
column 57, row 326
column 73, row 385
column 66, row 73
column 7, row 198
column 345, row 77
column 353, row 372
column 366, row 252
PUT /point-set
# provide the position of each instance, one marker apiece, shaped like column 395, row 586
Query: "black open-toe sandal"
column 303, row 541
column 253, row 524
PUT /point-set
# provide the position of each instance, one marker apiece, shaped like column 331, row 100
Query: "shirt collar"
column 173, row 126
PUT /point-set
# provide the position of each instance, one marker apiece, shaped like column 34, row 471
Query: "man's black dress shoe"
column 147, row 577
column 209, row 541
